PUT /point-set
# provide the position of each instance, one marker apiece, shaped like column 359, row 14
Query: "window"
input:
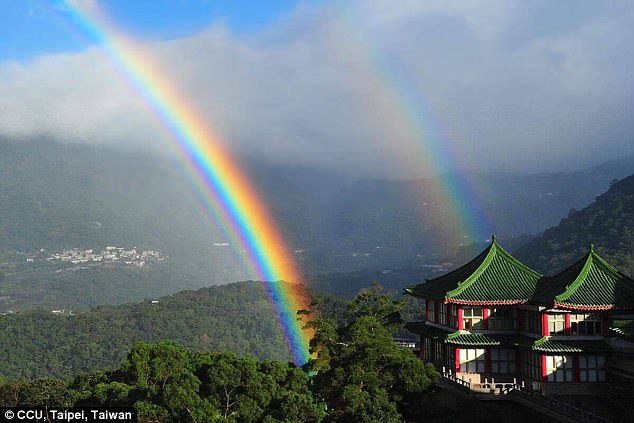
column 560, row 368
column 472, row 361
column 452, row 316
column 557, row 324
column 591, row 368
column 531, row 365
column 431, row 311
column 426, row 349
column 472, row 318
column 585, row 324
column 503, row 319
column 502, row 360
column 451, row 356
column 531, row 322
column 442, row 314
column 439, row 356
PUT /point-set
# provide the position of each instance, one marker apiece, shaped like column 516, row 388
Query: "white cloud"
column 512, row 85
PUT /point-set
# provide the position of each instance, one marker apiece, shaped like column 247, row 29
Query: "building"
column 497, row 318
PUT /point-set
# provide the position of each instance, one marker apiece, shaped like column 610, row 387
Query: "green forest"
column 608, row 223
column 357, row 374
column 235, row 317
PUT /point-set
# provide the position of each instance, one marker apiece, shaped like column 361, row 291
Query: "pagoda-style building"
column 496, row 318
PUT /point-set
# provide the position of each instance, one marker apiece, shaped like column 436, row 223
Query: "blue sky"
column 29, row 28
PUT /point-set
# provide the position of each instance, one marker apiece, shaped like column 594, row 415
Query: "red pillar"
column 487, row 360
column 567, row 323
column 457, row 361
column 545, row 331
column 427, row 309
column 485, row 317
column 460, row 319
column 544, row 369
column 436, row 311
column 605, row 324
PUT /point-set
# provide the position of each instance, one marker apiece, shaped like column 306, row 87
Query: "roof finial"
column 591, row 247
column 492, row 238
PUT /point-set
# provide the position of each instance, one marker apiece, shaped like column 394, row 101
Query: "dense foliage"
column 235, row 317
column 360, row 375
column 165, row 382
column 608, row 223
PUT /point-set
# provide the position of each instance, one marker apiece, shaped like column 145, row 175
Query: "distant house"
column 496, row 318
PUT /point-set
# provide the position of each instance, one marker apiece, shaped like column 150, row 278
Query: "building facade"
column 496, row 318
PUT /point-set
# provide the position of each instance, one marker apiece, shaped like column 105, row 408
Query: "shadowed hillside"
column 608, row 223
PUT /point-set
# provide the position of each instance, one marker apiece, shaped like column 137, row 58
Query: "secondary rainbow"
column 222, row 186
column 422, row 140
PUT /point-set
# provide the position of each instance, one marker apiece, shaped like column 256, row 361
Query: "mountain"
column 399, row 216
column 56, row 197
column 236, row 317
column 608, row 223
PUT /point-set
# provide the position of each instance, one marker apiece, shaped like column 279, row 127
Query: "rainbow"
column 421, row 141
column 219, row 182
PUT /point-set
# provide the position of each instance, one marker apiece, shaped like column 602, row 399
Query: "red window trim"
column 545, row 331
column 460, row 319
column 544, row 368
column 567, row 323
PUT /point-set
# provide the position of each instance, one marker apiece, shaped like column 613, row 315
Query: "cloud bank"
column 368, row 86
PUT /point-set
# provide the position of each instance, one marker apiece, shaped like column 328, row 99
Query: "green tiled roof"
column 551, row 346
column 460, row 338
column 493, row 277
column 589, row 284
column 471, row 339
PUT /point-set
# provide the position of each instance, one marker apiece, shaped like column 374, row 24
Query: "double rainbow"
column 222, row 186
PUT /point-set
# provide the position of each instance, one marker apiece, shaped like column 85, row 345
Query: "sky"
column 374, row 87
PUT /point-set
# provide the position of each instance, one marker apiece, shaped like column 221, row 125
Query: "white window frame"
column 560, row 368
column 470, row 319
column 472, row 360
column 556, row 324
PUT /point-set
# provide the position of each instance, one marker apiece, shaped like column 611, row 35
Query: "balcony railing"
column 520, row 390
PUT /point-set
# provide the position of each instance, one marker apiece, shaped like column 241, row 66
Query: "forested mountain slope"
column 608, row 223
column 236, row 317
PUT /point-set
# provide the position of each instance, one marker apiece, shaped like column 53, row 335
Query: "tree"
column 360, row 372
column 47, row 393
column 378, row 303
column 167, row 387
column 245, row 390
